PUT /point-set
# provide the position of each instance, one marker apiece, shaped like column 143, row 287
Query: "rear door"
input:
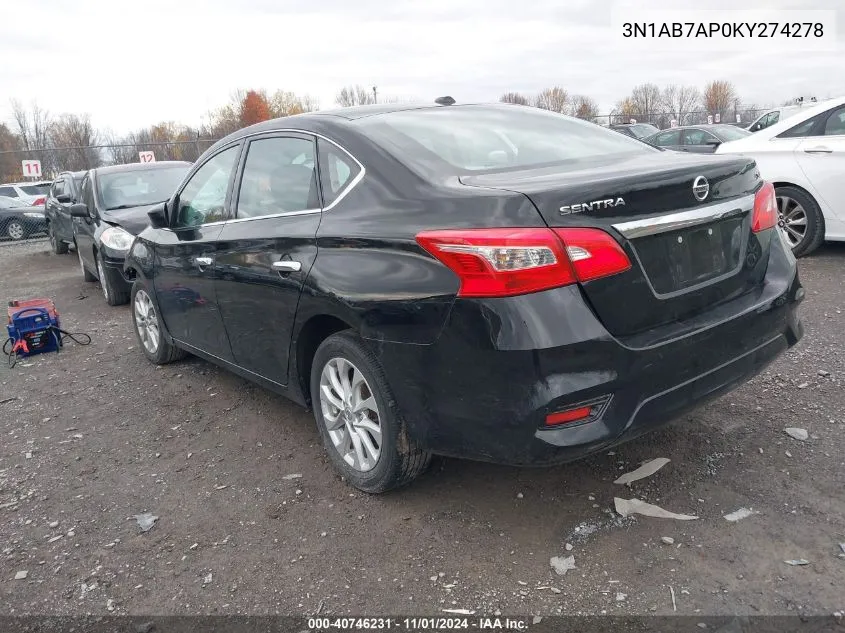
column 266, row 251
column 822, row 158
column 83, row 228
column 185, row 256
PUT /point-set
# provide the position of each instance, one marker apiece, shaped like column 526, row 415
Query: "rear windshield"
column 471, row 139
column 36, row 190
column 731, row 133
column 125, row 189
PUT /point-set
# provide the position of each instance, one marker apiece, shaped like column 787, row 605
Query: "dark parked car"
column 112, row 210
column 701, row 139
column 635, row 130
column 19, row 220
column 63, row 193
column 493, row 282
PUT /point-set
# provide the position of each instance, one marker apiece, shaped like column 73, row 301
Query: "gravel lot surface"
column 94, row 435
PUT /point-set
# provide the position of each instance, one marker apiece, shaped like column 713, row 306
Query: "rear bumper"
column 483, row 390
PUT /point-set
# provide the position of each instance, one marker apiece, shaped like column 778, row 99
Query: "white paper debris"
column 646, row 470
column 626, row 507
column 458, row 611
column 668, row 540
column 21, row 575
column 796, row 433
column 620, row 597
column 146, row 521
column 562, row 564
column 293, row 476
column 738, row 515
column 796, row 562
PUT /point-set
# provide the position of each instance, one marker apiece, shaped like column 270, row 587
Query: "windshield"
column 475, row 139
column 10, row 203
column 125, row 189
column 36, row 190
column 731, row 133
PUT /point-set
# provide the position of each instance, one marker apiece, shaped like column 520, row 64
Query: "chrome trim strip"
column 684, row 219
column 283, row 214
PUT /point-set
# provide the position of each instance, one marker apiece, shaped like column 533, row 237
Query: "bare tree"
column 9, row 157
column 33, row 126
column 78, row 135
column 286, row 103
column 584, row 107
column 555, row 99
column 680, row 101
column 355, row 95
column 646, row 102
column 514, row 97
column 719, row 97
column 624, row 111
column 118, row 152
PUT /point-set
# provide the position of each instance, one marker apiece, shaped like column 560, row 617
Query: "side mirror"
column 64, row 198
column 713, row 141
column 158, row 216
column 79, row 210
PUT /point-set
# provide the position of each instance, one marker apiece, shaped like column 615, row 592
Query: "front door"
column 267, row 250
column 186, row 254
column 822, row 158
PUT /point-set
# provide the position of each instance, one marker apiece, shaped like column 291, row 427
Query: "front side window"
column 671, row 137
column 203, row 199
column 58, row 187
column 337, row 170
column 279, row 176
column 697, row 137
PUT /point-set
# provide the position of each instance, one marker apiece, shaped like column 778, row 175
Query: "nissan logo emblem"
column 700, row 188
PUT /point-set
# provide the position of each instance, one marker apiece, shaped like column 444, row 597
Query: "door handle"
column 821, row 149
column 287, row 266
column 203, row 261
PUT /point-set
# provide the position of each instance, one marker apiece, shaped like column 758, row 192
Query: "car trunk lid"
column 684, row 222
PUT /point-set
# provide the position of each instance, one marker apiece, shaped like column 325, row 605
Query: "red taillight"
column 765, row 209
column 507, row 262
column 566, row 417
column 39, row 201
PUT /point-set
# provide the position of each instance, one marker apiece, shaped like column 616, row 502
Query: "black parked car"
column 112, row 210
column 493, row 282
column 19, row 220
column 700, row 139
column 635, row 130
column 63, row 192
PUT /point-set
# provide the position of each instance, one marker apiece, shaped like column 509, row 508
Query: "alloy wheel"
column 351, row 414
column 52, row 235
column 792, row 218
column 146, row 321
column 15, row 230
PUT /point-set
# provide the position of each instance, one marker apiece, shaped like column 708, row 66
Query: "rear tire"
column 796, row 205
column 152, row 340
column 85, row 274
column 114, row 296
column 399, row 459
column 58, row 246
column 16, row 230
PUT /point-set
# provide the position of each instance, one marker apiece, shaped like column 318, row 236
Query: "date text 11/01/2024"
column 418, row 624
column 723, row 29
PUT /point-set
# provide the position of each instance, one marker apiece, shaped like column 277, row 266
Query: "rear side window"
column 697, row 137
column 279, row 177
column 8, row 192
column 802, row 129
column 472, row 139
column 835, row 124
column 337, row 171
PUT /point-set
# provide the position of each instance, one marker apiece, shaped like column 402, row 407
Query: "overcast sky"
column 132, row 63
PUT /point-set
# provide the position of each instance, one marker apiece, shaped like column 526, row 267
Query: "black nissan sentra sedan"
column 484, row 281
column 112, row 210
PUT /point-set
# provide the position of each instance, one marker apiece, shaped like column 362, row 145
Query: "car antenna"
column 444, row 101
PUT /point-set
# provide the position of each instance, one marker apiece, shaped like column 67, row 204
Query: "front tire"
column 801, row 219
column 15, row 230
column 148, row 329
column 57, row 245
column 114, row 295
column 361, row 426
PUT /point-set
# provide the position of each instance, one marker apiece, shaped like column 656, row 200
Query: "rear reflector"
column 765, row 209
column 508, row 262
column 566, row 417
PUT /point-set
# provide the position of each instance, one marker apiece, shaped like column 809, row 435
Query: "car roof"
column 22, row 184
column 75, row 174
column 806, row 112
column 114, row 169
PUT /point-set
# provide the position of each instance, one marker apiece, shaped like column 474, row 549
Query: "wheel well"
column 315, row 331
column 794, row 186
